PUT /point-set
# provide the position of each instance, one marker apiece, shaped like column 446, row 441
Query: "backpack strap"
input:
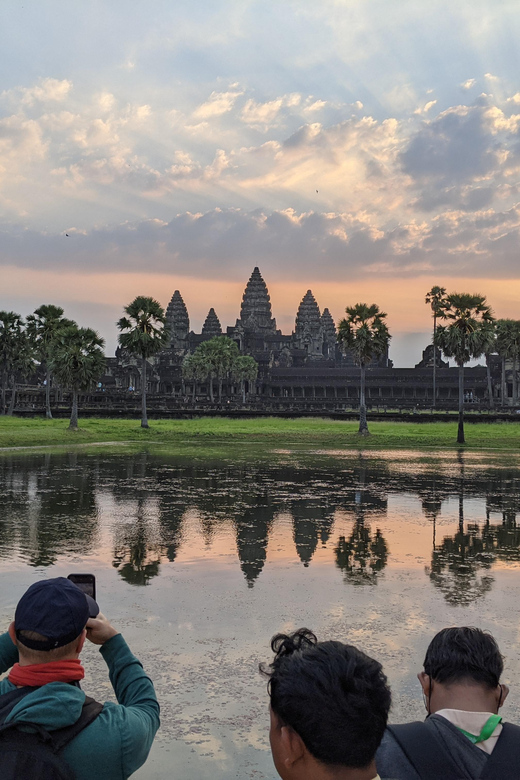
column 504, row 761
column 425, row 751
column 59, row 738
column 62, row 737
column 10, row 699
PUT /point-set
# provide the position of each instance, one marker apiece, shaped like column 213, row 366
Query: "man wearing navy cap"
column 52, row 620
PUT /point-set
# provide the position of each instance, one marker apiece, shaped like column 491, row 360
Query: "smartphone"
column 85, row 582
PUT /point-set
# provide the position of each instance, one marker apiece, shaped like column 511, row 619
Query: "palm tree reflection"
column 363, row 556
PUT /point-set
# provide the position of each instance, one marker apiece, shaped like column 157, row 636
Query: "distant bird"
column 316, row 190
column 68, row 234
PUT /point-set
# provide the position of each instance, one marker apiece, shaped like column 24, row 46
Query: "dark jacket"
column 118, row 741
column 392, row 763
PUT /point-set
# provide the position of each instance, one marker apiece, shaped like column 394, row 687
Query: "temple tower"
column 329, row 334
column 178, row 322
column 212, row 326
column 309, row 332
column 255, row 313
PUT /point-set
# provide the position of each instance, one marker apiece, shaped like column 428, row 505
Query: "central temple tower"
column 255, row 313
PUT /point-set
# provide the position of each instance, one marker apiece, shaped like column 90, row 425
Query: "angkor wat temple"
column 306, row 367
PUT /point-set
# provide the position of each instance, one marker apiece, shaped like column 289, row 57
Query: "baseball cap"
column 57, row 609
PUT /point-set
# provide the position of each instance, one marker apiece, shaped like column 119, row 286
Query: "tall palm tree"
column 491, row 348
column 194, row 369
column 143, row 333
column 465, row 337
column 11, row 337
column 244, row 369
column 22, row 366
column 78, row 361
column 364, row 332
column 43, row 328
column 435, row 298
column 226, row 354
column 508, row 347
column 218, row 355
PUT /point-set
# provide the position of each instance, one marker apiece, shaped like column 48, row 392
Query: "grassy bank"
column 315, row 432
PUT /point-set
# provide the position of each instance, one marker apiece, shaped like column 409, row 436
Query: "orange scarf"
column 36, row 675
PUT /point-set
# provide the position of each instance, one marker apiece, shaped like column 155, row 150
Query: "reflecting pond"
column 199, row 561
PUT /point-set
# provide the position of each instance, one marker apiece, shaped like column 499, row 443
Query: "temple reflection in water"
column 149, row 510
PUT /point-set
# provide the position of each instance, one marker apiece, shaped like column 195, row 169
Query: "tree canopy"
column 365, row 334
column 468, row 334
column 143, row 333
column 43, row 329
column 78, row 362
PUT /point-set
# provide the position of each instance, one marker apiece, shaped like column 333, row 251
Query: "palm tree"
column 22, row 365
column 218, row 355
column 225, row 355
column 143, row 334
column 365, row 333
column 11, row 337
column 244, row 369
column 194, row 369
column 78, row 362
column 467, row 336
column 491, row 348
column 508, row 347
column 43, row 328
column 435, row 298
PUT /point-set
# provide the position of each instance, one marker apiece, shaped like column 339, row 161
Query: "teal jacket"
column 118, row 741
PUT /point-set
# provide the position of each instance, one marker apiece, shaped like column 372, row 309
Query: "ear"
column 293, row 746
column 424, row 679
column 12, row 633
column 504, row 692
column 81, row 641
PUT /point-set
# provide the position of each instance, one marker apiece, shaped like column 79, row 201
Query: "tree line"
column 219, row 359
column 73, row 356
column 469, row 330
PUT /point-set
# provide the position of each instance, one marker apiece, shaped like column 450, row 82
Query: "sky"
column 364, row 149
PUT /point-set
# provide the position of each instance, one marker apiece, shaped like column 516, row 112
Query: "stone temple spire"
column 309, row 332
column 212, row 326
column 329, row 332
column 177, row 321
column 256, row 313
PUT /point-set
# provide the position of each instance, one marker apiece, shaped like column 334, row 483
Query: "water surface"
column 200, row 561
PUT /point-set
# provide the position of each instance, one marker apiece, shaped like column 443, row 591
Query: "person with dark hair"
column 329, row 708
column 48, row 727
column 463, row 735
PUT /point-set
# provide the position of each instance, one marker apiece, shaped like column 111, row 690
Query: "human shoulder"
column 391, row 760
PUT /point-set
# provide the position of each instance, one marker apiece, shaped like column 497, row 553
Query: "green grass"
column 221, row 433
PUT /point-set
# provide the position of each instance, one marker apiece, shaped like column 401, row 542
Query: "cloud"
column 424, row 109
column 218, row 243
column 217, row 104
column 452, row 148
column 45, row 91
column 91, row 159
column 468, row 83
column 21, row 145
column 255, row 113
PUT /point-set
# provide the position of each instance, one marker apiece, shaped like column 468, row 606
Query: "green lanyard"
column 486, row 731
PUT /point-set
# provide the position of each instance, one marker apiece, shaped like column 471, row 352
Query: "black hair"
column 464, row 653
column 333, row 695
